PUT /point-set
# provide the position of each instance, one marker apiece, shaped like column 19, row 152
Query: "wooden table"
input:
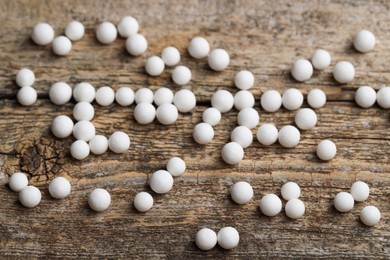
column 262, row 36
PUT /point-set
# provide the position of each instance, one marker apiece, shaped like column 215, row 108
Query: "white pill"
column 206, row 239
column 176, row 166
column 124, row 96
column 271, row 100
column 343, row 72
column 167, row 114
column 305, row 118
column 106, row 33
column 181, row 75
column 321, row 59
column 344, row 202
column 79, row 149
column 154, row 66
column 84, row 92
column 326, row 150
column 59, row 188
column 119, row 142
column 211, row 116
column 62, row 126
column 292, row 99
column 61, row 45
column 144, row 95
column 242, row 135
column 144, row 113
column 42, row 34
column 84, row 130
column 60, row 93
column 290, row 190
column 270, row 205
column 302, row 70
column 143, row 201
column 244, row 79
column 365, row 96
column 228, row 238
column 383, row 97
column 136, row 44
column 30, row 196
column 18, row 181
column 99, row 199
column 74, row 30
column 241, row 192
column 198, row 48
column 27, row 96
column 316, row 98
column 83, row 111
column 289, row 136
column 267, row 134
column 364, row 41
column 232, row 153
column 248, row 117
column 222, row 100
column 295, row 208
column 218, row 59
column 360, row 191
column 243, row 99
column 203, row 133
column 98, row 144
column 170, row 55
column 105, row 96
column 25, row 78
column 184, row 100
column 370, row 215
column 161, row 181
column 127, row 26
column 163, row 96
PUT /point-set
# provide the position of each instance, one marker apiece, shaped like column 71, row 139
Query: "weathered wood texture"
column 263, row 36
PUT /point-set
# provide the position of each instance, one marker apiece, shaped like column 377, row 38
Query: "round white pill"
column 84, row 130
column 161, row 181
column 144, row 113
column 365, row 96
column 267, row 134
column 218, row 59
column 127, row 26
column 79, row 149
column 99, row 199
column 184, row 100
column 98, row 144
column 383, row 97
column 243, row 99
column 360, row 191
column 59, row 188
column 302, row 70
column 119, row 142
column 270, row 205
column 271, row 100
column 25, row 78
column 321, row 59
column 203, row 133
column 74, row 30
column 60, row 93
column 211, row 116
column 30, row 196
column 241, row 192
column 61, row 45
column 143, row 201
column 232, row 153
column 106, row 33
column 222, row 100
column 170, row 55
column 228, row 238
column 18, row 181
column 198, row 48
column 326, row 150
column 124, row 96
column 84, row 92
column 289, row 136
column 305, row 118
column 242, row 135
column 154, row 66
column 62, row 126
column 181, row 75
column 167, row 114
column 83, row 111
column 248, row 117
column 206, row 239
column 316, row 98
column 292, row 99
column 42, row 34
column 136, row 44
column 144, row 95
column 105, row 96
column 290, row 190
column 163, row 96
column 244, row 79
column 295, row 208
column 27, row 96
column 344, row 202
column 343, row 72
column 370, row 215
column 176, row 166
column 364, row 41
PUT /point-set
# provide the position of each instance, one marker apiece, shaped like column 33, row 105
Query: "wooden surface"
column 262, row 36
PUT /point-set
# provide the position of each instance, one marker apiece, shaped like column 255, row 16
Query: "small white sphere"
column 271, row 100
column 316, row 98
column 18, row 181
column 232, row 153
column 344, row 202
column 184, row 100
column 84, row 92
column 198, row 48
column 292, row 99
column 161, row 181
column 83, row 111
column 25, row 78
column 143, row 201
column 218, row 59
column 127, row 26
column 321, row 59
column 228, row 238
column 364, row 41
column 170, row 55
column 206, row 239
column 290, row 190
column 42, row 34
column 79, row 149
column 30, row 196
column 244, row 79
column 119, row 142
column 242, row 135
column 136, row 44
column 295, row 208
column 59, row 188
column 370, row 215
column 167, row 114
column 211, row 116
column 61, row 45
column 163, row 96
column 248, row 117
column 343, row 72
column 365, row 96
column 74, row 30
column 383, row 97
column 27, row 96
column 144, row 113
column 144, row 95
column 154, row 66
column 302, row 70
column 305, row 118
column 181, row 75
column 360, row 191
column 176, row 166
column 267, row 134
column 62, row 126
column 105, row 96
column 99, row 199
column 243, row 99
column 289, row 136
column 98, row 144
column 60, row 93
column 124, row 96
column 106, row 33
column 222, row 100
column 203, row 133
column 241, row 192
column 270, row 205
column 326, row 150
column 84, row 130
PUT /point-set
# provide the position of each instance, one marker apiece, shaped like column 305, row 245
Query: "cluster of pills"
column 227, row 238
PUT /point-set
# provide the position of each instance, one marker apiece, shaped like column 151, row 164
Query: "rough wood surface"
column 262, row 36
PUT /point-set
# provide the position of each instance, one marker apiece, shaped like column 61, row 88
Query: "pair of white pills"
column 227, row 238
